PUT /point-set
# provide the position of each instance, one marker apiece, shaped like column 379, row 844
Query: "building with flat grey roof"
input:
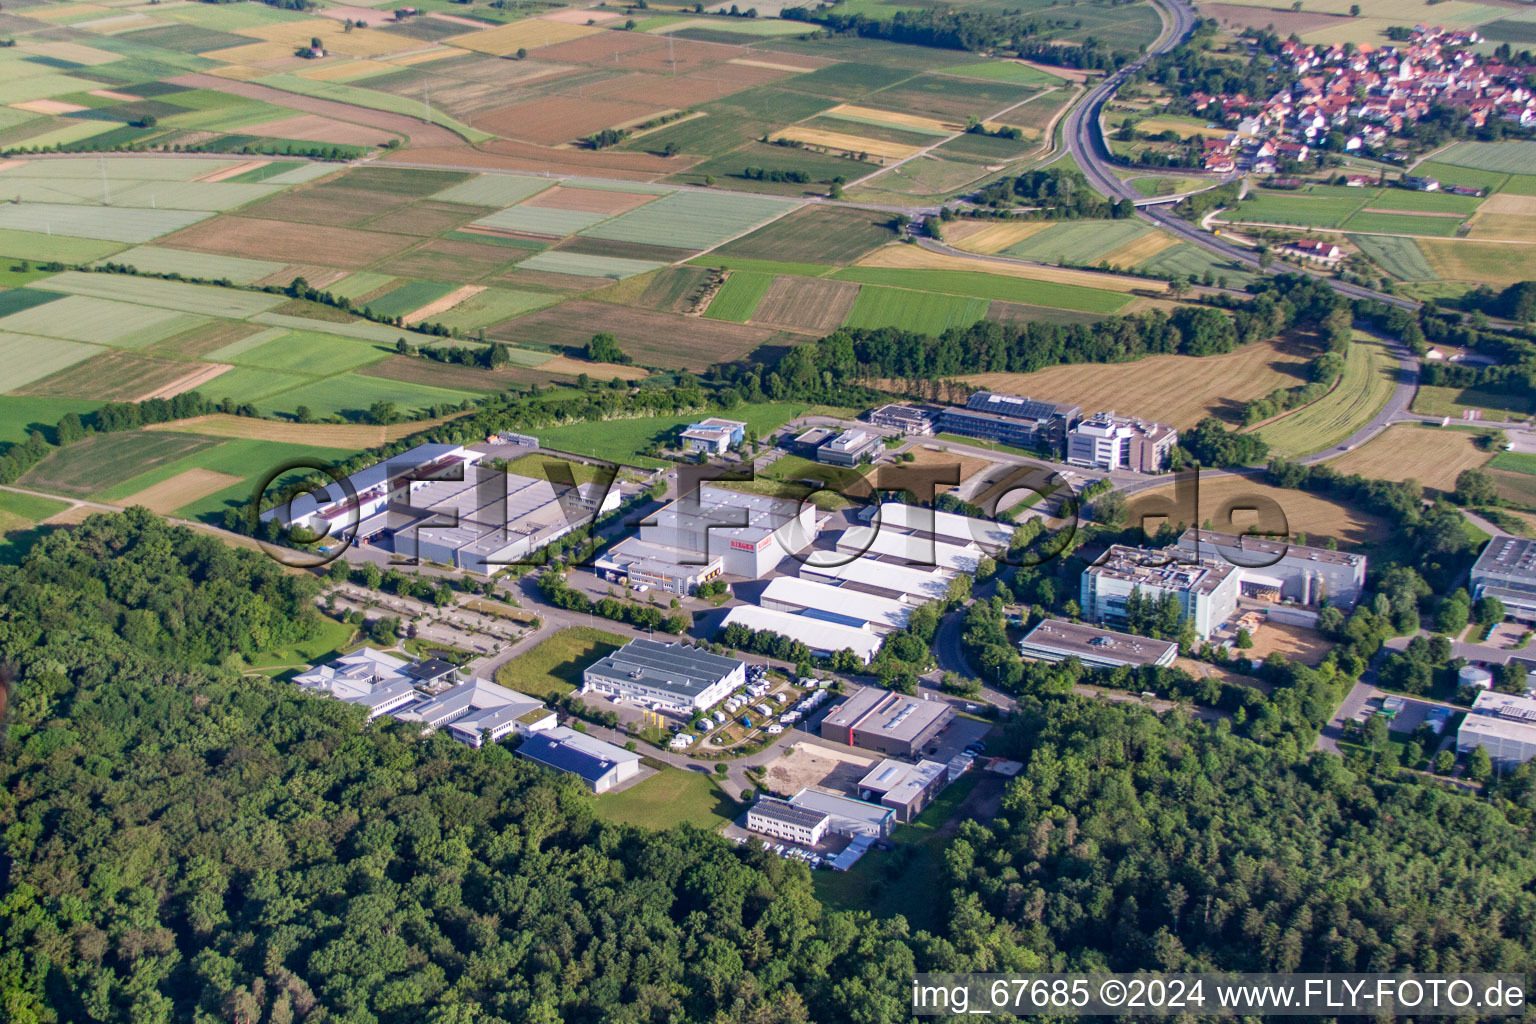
column 845, row 815
column 894, row 724
column 598, row 763
column 1107, row 441
column 371, row 679
column 1011, row 419
column 750, row 533
column 1507, row 570
column 1057, row 640
column 857, row 575
column 640, row 563
column 903, row 787
column 783, row 820
column 1283, row 571
column 849, row 448
column 480, row 710
column 909, row 419
column 1206, row 590
column 1502, row 723
column 671, row 676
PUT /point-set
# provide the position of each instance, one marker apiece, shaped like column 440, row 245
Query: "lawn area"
column 737, row 299
column 900, row 882
column 1442, row 401
column 930, row 313
column 622, row 440
column 1369, row 376
column 1319, row 206
column 553, row 668
column 332, row 639
column 668, row 798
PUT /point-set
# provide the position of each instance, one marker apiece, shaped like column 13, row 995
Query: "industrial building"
column 714, row 435
column 1278, row 570
column 904, row 787
column 1011, row 420
column 601, row 765
column 879, row 614
column 907, row 584
column 1057, row 640
column 750, row 533
column 668, row 676
column 908, row 549
column 1207, row 590
column 480, row 710
column 1110, row 442
column 823, row 634
column 1507, row 570
column 642, row 564
column 849, row 448
column 845, row 815
column 783, row 820
column 915, row 420
column 894, row 724
column 989, row 536
column 368, row 678
column 437, row 502
column 1502, row 723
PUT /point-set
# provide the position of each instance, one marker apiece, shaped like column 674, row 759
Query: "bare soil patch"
column 284, row 240
column 810, row 764
column 315, row 128
column 653, row 339
column 182, row 489
column 587, row 200
column 202, row 374
column 810, row 304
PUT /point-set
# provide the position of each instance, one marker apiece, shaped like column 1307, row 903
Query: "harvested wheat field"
column 285, row 240
column 322, row 435
column 1140, row 249
column 443, row 304
column 201, row 374
column 990, row 236
column 597, row 371
column 521, row 35
column 1431, row 455
column 970, row 465
column 556, row 119
column 1502, row 225
column 1180, row 390
column 1227, row 500
column 931, row 125
column 915, row 258
column 180, row 490
column 844, row 143
column 314, row 128
column 588, row 200
column 813, row 305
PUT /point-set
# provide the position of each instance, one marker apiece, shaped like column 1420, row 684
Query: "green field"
column 1370, row 374
column 84, row 318
column 27, row 358
column 19, row 513
column 1194, row 261
column 408, row 298
column 109, row 224
column 492, row 306
column 155, row 260
column 1505, row 157
column 729, row 168
column 714, row 259
column 350, row 394
column 1400, row 257
column 1470, row 177
column 39, row 246
column 207, row 300
column 620, row 440
column 541, row 220
column 97, row 463
column 669, row 798
column 22, row 414
column 989, row 286
column 582, row 265
column 307, row 352
column 814, row 233
column 1443, row 401
column 493, row 190
column 1514, row 462
column 690, row 220
column 1004, row 71
column 929, row 313
column 1403, row 224
column 553, row 668
column 1078, row 242
column 1317, row 207
column 737, row 299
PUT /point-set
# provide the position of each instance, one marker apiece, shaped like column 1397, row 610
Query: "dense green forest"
column 186, row 844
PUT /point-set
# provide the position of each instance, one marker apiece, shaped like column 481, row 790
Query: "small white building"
column 368, row 678
column 783, row 820
column 822, row 635
column 598, row 763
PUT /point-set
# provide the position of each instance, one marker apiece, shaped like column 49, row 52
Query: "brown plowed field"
column 420, row 133
column 811, row 304
column 556, row 119
column 315, row 128
column 426, row 218
column 463, row 378
column 653, row 339
column 204, row 338
column 284, row 240
column 510, row 155
column 115, row 376
column 460, row 261
column 182, row 489
column 587, row 200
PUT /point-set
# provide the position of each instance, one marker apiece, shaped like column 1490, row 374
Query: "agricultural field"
column 737, row 299
column 819, row 233
column 1078, row 243
column 1180, row 390
column 1316, row 516
column 1400, row 257
column 1431, row 455
column 929, row 313
column 1453, row 402
column 1370, row 375
column 977, row 285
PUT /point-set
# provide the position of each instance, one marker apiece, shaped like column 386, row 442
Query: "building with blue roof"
column 601, row 765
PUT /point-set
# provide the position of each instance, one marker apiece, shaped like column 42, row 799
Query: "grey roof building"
column 847, row 816
column 1057, row 640
column 672, row 676
column 892, row 723
column 1507, row 570
column 903, row 787
column 1283, row 570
